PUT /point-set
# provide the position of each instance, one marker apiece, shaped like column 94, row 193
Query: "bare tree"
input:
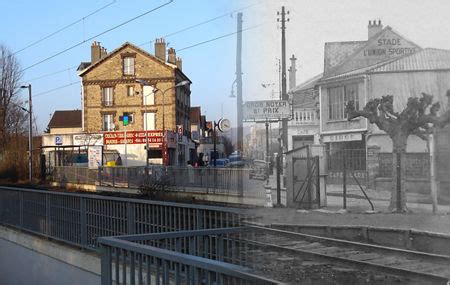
column 418, row 118
column 11, row 116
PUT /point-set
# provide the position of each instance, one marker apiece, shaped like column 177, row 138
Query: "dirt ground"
column 419, row 221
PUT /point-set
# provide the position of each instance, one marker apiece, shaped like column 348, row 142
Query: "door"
column 306, row 185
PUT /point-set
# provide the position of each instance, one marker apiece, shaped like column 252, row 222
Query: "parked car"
column 258, row 170
column 220, row 163
column 236, row 160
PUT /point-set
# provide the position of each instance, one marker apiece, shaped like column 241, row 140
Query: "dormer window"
column 128, row 65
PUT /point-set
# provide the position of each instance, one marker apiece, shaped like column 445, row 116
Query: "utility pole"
column 284, row 95
column 240, row 133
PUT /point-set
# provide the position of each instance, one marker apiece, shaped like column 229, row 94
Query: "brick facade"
column 108, row 72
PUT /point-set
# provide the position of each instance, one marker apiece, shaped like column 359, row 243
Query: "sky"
column 210, row 66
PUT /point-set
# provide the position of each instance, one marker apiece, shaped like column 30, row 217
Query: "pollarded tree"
column 418, row 118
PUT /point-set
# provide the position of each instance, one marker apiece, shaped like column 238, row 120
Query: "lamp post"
column 30, row 134
column 163, row 92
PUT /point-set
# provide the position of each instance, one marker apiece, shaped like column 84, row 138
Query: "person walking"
column 118, row 161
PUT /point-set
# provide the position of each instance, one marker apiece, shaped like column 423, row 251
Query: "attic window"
column 128, row 65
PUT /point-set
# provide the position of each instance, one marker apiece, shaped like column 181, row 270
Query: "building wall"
column 65, row 130
column 109, row 73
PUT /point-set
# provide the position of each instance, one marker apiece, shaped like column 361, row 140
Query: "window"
column 128, row 65
column 149, row 95
column 130, row 90
column 338, row 98
column 108, row 122
column 107, row 96
column 149, row 121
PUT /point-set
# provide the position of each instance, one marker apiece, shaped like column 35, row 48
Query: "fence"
column 354, row 159
column 205, row 180
column 417, row 165
column 212, row 256
column 79, row 219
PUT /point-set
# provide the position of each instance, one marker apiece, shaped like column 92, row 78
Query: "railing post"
column 21, row 209
column 113, row 170
column 47, row 214
column 106, row 272
column 83, row 222
column 130, row 218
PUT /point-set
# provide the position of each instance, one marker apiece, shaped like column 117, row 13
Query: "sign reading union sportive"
column 267, row 110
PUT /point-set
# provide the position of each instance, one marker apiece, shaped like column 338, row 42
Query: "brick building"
column 129, row 80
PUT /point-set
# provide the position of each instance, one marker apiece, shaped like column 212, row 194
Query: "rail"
column 213, row 256
column 79, row 219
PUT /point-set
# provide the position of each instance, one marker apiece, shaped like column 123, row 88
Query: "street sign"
column 266, row 110
column 58, row 140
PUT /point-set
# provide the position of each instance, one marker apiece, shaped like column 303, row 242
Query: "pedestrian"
column 118, row 161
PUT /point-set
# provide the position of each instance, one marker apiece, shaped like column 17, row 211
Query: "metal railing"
column 79, row 219
column 212, row 256
column 229, row 181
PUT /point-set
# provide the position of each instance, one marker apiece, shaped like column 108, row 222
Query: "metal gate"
column 305, row 182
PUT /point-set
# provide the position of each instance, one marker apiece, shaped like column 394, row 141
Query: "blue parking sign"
column 58, row 140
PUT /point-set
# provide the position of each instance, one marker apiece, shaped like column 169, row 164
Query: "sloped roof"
column 66, row 119
column 336, row 52
column 304, row 95
column 310, row 83
column 115, row 51
column 426, row 59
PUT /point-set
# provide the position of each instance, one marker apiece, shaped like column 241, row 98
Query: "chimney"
column 374, row 28
column 292, row 73
column 103, row 53
column 171, row 56
column 180, row 63
column 160, row 49
column 96, row 52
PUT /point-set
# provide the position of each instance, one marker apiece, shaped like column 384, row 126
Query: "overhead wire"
column 185, row 48
column 99, row 34
column 63, row 28
column 166, row 36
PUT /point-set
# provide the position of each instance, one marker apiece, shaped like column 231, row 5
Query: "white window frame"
column 128, row 65
column 148, row 97
column 149, row 126
column 108, row 122
column 107, row 96
column 130, row 90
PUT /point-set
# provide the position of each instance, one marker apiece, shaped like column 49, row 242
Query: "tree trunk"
column 398, row 191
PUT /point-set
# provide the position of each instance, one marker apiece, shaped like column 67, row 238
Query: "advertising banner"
column 95, row 157
column 155, row 138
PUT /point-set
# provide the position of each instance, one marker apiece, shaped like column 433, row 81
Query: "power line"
column 218, row 38
column 52, row 73
column 64, row 28
column 165, row 36
column 202, row 23
column 185, row 48
column 100, row 34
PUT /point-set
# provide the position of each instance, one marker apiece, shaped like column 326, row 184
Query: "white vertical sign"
column 95, row 156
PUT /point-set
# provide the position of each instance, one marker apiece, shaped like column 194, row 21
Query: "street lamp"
column 30, row 133
column 143, row 82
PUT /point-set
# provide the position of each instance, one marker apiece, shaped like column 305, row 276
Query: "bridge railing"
column 215, row 256
column 79, row 219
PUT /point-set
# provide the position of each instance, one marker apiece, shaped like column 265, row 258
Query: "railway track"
column 423, row 268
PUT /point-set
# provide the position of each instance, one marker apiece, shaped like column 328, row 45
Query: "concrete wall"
column 27, row 259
